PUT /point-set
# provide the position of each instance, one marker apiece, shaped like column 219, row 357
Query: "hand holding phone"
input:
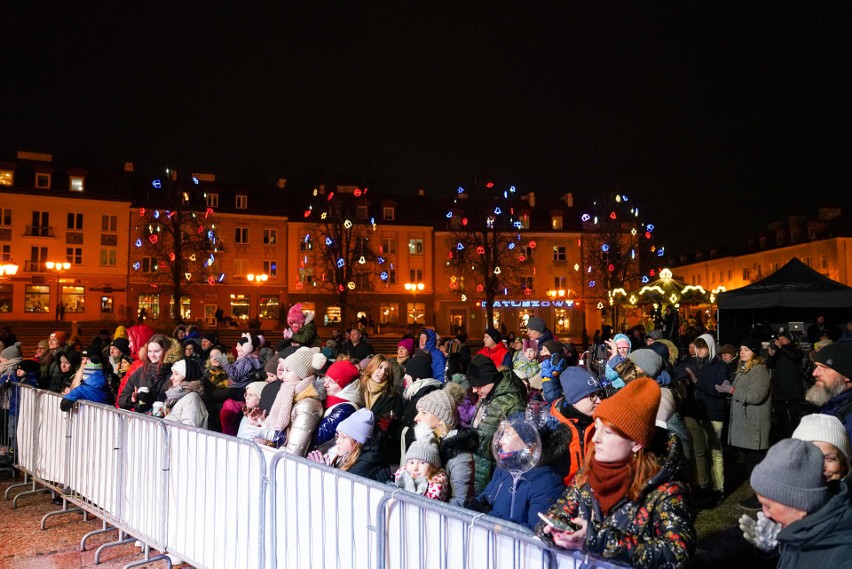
column 558, row 525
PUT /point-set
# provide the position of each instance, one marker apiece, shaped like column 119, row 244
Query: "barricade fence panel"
column 97, row 435
column 145, row 478
column 51, row 440
column 324, row 517
column 217, row 499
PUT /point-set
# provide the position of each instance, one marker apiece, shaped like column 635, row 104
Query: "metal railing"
column 216, row 501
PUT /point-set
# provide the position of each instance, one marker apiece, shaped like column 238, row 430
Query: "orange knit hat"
column 633, row 410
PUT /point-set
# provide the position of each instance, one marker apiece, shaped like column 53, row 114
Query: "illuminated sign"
column 530, row 303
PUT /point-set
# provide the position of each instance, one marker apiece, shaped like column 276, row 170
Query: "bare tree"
column 345, row 259
column 486, row 253
column 176, row 238
column 620, row 252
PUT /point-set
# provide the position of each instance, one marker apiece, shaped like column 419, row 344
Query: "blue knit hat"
column 578, row 383
column 358, row 425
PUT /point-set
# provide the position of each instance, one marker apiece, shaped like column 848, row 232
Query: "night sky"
column 714, row 120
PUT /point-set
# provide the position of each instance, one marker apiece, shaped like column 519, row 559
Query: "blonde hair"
column 374, row 364
column 350, row 459
column 756, row 360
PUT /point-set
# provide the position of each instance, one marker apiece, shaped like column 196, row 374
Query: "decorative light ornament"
column 138, row 242
column 464, row 298
column 188, row 276
column 347, row 224
column 449, row 215
column 497, row 211
column 450, row 255
column 362, row 260
column 497, row 270
column 479, row 288
column 652, row 272
column 532, row 244
column 156, row 214
column 522, row 258
column 459, row 246
column 592, row 284
column 644, row 279
column 480, row 249
column 605, row 247
column 380, row 260
column 489, row 185
column 589, row 269
column 384, row 275
column 221, row 277
column 328, row 241
column 153, row 239
column 341, row 288
column 464, row 221
column 350, row 285
column 661, row 251
column 600, row 305
column 611, row 267
column 330, row 195
column 307, row 213
column 511, row 245
column 172, row 257
column 612, row 216
column 357, row 192
column 324, row 215
column 527, row 291
column 623, row 198
column 211, row 280
column 340, row 263
column 192, row 257
column 141, row 212
column 618, row 199
column 585, row 217
column 157, row 184
column 136, row 265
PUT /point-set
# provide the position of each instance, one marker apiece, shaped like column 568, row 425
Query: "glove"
column 762, row 534
column 384, row 423
column 221, row 359
column 726, row 387
column 551, row 368
column 288, row 333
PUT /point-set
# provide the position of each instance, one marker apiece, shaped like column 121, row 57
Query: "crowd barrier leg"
column 23, row 484
column 65, row 510
column 122, row 540
column 29, row 493
column 105, row 529
column 149, row 559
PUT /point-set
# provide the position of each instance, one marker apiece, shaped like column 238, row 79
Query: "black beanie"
column 418, row 368
column 482, row 371
column 495, row 335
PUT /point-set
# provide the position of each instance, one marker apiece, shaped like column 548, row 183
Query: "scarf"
column 279, row 415
column 178, row 392
column 374, row 391
column 609, row 482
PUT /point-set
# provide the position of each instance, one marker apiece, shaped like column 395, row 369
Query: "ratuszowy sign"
column 530, row 303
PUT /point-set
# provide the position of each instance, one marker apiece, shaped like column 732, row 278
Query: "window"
column 109, row 223
column 212, row 200
column 807, row 261
column 73, row 298
column 526, row 283
column 730, row 274
column 106, row 304
column 563, row 323
column 361, row 212
column 332, row 315
column 241, row 267
column 76, row 184
column 306, row 244
column 74, row 255
column 415, row 275
column 42, row 181
column 41, row 224
column 75, row 221
column 242, row 202
column 108, row 257
column 416, row 312
column 7, row 178
column 388, row 313
column 269, row 307
column 37, row 298
column 388, row 246
column 415, row 246
column 559, row 283
column 524, row 220
column 391, row 276
column 5, row 298
column 746, row 274
column 5, row 253
column 151, row 304
column 306, row 276
column 559, row 253
column 527, row 252
column 38, row 255
column 270, row 237
column 556, row 222
column 794, row 236
column 185, row 307
column 773, row 267
column 388, row 213
column 270, row 268
column 239, row 307
column 241, row 235
column 5, row 216
column 149, row 265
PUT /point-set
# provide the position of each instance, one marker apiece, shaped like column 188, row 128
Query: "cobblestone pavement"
column 24, row 545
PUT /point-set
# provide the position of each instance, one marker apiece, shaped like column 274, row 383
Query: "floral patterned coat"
column 654, row 531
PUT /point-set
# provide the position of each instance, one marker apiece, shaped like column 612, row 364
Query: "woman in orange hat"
column 627, row 504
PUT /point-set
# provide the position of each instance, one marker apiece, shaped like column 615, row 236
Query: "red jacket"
column 499, row 354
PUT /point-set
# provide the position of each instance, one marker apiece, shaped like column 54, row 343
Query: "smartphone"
column 557, row 524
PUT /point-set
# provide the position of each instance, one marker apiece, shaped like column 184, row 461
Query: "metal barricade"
column 8, row 440
column 146, row 478
column 321, row 516
column 216, row 499
column 51, row 445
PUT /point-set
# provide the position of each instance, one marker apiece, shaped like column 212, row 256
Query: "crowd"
column 624, row 451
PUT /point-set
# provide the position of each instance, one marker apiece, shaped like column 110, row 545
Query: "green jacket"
column 508, row 396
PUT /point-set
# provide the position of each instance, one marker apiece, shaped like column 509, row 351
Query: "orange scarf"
column 609, row 482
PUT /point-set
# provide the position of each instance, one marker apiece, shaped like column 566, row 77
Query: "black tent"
column 793, row 293
column 795, row 285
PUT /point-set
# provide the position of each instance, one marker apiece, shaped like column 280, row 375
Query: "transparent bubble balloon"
column 516, row 446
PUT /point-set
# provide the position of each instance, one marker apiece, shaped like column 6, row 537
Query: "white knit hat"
column 300, row 362
column 179, row 367
column 823, row 428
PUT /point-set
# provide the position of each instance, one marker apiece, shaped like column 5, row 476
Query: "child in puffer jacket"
column 619, row 349
column 422, row 472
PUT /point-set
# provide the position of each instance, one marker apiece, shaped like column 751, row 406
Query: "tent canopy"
column 795, row 285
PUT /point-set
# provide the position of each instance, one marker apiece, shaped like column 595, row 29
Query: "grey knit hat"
column 10, row 352
column 425, row 450
column 359, row 425
column 791, row 474
column 649, row 360
column 536, row 323
column 441, row 404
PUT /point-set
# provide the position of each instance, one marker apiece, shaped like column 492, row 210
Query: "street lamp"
column 8, row 269
column 414, row 288
column 58, row 266
column 258, row 280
